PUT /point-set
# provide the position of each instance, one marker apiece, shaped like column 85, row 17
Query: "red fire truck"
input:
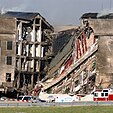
column 103, row 95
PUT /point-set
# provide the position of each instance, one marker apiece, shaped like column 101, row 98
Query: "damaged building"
column 73, row 68
column 25, row 50
column 102, row 25
column 84, row 61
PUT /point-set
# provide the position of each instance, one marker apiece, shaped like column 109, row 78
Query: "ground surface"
column 74, row 109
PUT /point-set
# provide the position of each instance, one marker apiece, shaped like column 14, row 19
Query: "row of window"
column 9, row 45
column 102, row 94
column 9, row 61
column 9, row 58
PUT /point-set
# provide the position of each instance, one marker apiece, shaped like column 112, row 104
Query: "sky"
column 58, row 12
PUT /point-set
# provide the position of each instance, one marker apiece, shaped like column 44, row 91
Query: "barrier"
column 8, row 99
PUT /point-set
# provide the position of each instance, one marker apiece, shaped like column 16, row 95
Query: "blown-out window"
column 8, row 77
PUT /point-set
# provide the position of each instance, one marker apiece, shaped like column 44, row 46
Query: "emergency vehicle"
column 103, row 95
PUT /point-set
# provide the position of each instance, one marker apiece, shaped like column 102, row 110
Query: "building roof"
column 20, row 15
column 105, row 16
column 97, row 16
column 89, row 15
column 28, row 16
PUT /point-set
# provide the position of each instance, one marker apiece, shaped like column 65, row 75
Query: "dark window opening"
column 9, row 60
column 0, row 43
column 106, row 94
column 105, row 90
column 8, row 77
column 9, row 45
column 102, row 94
column 96, row 94
column 16, row 49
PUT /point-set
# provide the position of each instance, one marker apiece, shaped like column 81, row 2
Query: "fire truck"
column 103, row 95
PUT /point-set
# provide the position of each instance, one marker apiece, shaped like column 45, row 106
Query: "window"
column 106, row 94
column 102, row 94
column 20, row 98
column 105, row 90
column 8, row 77
column 0, row 43
column 9, row 45
column 27, row 98
column 9, row 60
column 96, row 94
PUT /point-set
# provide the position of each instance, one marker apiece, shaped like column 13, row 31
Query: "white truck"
column 44, row 97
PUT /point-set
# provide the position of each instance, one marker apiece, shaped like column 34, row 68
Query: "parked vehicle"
column 36, row 99
column 3, row 98
column 44, row 97
column 103, row 95
column 66, row 98
column 25, row 98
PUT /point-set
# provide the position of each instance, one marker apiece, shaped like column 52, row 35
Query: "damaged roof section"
column 89, row 15
column 28, row 16
column 21, row 15
column 97, row 16
column 105, row 16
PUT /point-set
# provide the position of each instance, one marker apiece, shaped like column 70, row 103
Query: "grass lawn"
column 76, row 109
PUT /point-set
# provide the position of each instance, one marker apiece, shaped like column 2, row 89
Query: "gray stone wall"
column 104, row 62
column 102, row 26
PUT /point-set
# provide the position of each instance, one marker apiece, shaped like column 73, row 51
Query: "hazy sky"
column 58, row 12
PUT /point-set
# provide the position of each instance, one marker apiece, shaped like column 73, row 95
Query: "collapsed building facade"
column 73, row 68
column 25, row 50
column 84, row 62
column 83, row 55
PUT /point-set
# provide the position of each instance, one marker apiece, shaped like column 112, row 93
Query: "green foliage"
column 49, row 90
column 67, row 90
column 94, row 65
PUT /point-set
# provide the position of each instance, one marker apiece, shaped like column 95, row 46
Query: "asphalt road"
column 45, row 104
